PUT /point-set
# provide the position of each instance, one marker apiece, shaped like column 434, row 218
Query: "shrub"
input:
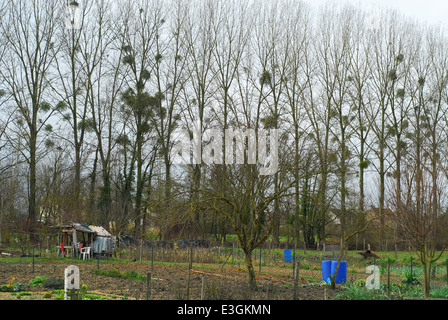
column 53, row 283
column 411, row 279
column 37, row 281
column 11, row 287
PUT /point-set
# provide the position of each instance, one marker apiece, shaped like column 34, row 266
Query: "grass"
column 82, row 295
column 117, row 274
column 356, row 292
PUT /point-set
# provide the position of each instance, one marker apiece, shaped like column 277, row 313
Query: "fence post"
column 141, row 249
column 447, row 271
column 148, row 286
column 152, row 257
column 388, row 277
column 33, row 258
column 191, row 257
column 296, row 279
column 410, row 279
column 189, row 273
column 294, row 259
column 202, row 288
column 323, row 251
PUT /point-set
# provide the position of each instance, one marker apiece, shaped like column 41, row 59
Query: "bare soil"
column 169, row 282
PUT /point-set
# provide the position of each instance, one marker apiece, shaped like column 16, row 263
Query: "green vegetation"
column 406, row 274
column 358, row 291
column 37, row 281
column 116, row 274
column 11, row 286
column 22, row 293
column 354, row 291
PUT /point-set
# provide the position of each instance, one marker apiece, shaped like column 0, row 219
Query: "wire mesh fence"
column 199, row 266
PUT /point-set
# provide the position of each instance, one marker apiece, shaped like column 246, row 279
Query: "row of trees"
column 90, row 114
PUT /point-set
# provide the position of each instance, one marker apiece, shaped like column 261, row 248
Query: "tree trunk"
column 250, row 271
column 341, row 254
column 32, row 213
column 427, row 277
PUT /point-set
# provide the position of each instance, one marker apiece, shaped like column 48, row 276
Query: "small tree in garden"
column 247, row 203
column 426, row 235
column 418, row 218
column 347, row 234
column 419, row 212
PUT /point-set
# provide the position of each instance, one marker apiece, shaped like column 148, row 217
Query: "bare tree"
column 200, row 41
column 298, row 35
column 318, row 108
column 419, row 215
column 101, row 61
column 141, row 57
column 272, row 52
column 383, row 44
column 361, row 99
column 248, row 206
column 28, row 30
column 70, row 90
column 170, row 72
column 232, row 43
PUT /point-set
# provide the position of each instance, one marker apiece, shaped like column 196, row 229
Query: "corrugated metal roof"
column 100, row 231
column 82, row 227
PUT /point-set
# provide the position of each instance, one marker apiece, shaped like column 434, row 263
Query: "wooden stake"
column 296, row 280
column 189, row 274
column 388, row 277
column 202, row 288
column 148, row 286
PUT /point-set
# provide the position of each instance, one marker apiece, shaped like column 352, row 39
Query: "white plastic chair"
column 85, row 253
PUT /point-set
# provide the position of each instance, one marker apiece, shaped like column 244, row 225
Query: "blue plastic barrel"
column 326, row 270
column 341, row 277
column 288, row 255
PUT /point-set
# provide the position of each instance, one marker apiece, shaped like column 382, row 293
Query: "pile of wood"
column 369, row 254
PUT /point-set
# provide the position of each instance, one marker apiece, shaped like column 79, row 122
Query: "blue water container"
column 326, row 270
column 288, row 255
column 341, row 277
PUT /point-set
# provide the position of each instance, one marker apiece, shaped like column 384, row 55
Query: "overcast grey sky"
column 430, row 11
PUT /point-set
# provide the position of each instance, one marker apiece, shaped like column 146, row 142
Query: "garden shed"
column 103, row 241
column 82, row 240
